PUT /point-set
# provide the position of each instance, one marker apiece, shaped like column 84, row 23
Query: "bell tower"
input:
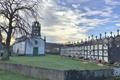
column 36, row 29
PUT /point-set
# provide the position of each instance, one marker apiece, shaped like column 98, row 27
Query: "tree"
column 14, row 14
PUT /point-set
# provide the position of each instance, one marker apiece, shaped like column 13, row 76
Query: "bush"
column 111, row 62
column 81, row 57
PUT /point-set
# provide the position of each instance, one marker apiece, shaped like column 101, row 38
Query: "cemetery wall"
column 35, row 72
column 51, row 74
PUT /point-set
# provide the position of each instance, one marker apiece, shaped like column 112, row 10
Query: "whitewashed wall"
column 26, row 47
column 31, row 45
column 19, row 48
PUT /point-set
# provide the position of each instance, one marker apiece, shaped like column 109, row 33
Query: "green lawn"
column 5, row 75
column 54, row 62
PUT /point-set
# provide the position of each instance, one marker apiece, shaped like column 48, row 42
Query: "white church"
column 33, row 45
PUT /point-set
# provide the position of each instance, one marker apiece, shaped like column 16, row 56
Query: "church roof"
column 22, row 38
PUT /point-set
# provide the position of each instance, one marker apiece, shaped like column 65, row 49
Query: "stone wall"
column 89, row 74
column 35, row 72
column 51, row 74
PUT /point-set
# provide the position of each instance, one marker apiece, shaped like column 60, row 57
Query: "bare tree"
column 13, row 15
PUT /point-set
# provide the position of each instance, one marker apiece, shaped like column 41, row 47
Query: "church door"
column 35, row 51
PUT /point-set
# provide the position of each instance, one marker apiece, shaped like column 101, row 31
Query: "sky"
column 72, row 20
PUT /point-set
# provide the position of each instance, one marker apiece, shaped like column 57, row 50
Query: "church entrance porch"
column 35, row 51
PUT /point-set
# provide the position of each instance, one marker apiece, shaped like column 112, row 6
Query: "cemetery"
column 103, row 48
column 55, row 62
column 28, row 58
column 54, row 67
column 27, row 48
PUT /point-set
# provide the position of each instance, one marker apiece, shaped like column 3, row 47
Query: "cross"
column 118, row 32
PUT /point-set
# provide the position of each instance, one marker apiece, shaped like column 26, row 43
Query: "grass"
column 55, row 62
column 116, row 78
column 5, row 75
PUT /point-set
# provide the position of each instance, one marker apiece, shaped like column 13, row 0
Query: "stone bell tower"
column 36, row 29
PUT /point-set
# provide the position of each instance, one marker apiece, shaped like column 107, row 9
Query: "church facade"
column 33, row 45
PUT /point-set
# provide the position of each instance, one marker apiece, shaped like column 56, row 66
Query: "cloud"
column 63, row 24
column 106, row 12
column 76, row 1
column 75, row 5
column 65, row 34
column 118, row 24
column 59, row 23
column 112, row 2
